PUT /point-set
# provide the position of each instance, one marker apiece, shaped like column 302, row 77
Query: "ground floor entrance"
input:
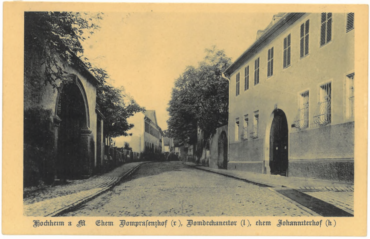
column 74, row 142
column 222, row 150
column 279, row 144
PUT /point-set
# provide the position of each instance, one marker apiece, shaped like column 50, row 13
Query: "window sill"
column 305, row 56
column 326, row 43
column 302, row 129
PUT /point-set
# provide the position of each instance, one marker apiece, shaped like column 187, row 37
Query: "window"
column 270, row 63
column 257, row 71
column 326, row 22
column 286, row 60
column 245, row 127
column 350, row 95
column 147, row 127
column 246, row 78
column 305, row 28
column 324, row 116
column 304, row 110
column 350, row 21
column 255, row 125
column 237, row 84
column 237, row 129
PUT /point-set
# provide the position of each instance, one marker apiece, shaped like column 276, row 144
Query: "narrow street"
column 174, row 189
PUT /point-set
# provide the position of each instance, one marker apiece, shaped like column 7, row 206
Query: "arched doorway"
column 222, row 150
column 279, row 144
column 71, row 110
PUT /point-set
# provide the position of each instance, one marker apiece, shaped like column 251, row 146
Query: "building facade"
column 167, row 145
column 291, row 98
column 146, row 135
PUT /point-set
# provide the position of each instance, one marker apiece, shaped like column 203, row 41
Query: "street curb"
column 274, row 189
column 234, row 177
column 92, row 196
column 300, row 206
column 270, row 187
column 343, row 188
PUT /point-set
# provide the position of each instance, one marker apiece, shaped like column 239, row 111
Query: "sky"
column 145, row 52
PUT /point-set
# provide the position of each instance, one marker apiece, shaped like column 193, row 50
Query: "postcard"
column 185, row 119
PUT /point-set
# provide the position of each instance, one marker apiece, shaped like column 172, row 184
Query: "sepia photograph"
column 154, row 115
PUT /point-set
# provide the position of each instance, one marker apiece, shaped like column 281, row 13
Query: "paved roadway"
column 174, row 189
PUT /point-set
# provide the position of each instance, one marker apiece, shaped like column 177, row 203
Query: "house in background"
column 291, row 98
column 146, row 135
column 167, row 145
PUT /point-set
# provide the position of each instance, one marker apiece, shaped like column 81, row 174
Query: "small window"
column 350, row 21
column 324, row 105
column 237, row 129
column 326, row 26
column 304, row 110
column 237, row 84
column 245, row 127
column 246, row 78
column 270, row 62
column 255, row 124
column 350, row 96
column 286, row 60
column 257, row 71
column 305, row 29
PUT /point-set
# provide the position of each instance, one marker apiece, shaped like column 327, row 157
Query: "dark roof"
column 166, row 140
column 269, row 34
column 151, row 115
column 84, row 71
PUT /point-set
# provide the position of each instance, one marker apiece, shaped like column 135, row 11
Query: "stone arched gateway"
column 74, row 141
column 222, row 150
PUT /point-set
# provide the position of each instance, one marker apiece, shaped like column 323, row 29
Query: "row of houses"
column 147, row 137
column 291, row 100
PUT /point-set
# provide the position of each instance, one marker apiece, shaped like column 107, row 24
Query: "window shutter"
column 302, row 46
column 350, row 21
column 329, row 29
column 323, row 30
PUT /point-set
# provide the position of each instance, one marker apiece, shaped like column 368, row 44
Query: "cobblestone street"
column 174, row 189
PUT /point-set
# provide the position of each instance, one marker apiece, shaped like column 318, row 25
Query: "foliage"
column 200, row 98
column 52, row 41
column 38, row 148
column 54, row 36
column 116, row 111
column 127, row 146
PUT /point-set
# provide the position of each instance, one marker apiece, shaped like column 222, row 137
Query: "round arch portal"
column 74, row 137
column 276, row 142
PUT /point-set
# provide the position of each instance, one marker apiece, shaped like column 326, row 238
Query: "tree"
column 127, row 146
column 52, row 41
column 200, row 98
column 112, row 105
